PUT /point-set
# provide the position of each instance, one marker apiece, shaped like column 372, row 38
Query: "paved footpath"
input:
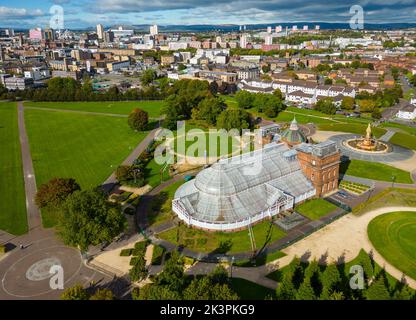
column 33, row 213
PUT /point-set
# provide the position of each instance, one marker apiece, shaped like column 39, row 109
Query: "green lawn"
column 152, row 173
column 405, row 140
column 394, row 237
column 402, row 127
column 13, row 217
column 85, row 147
column 356, row 128
column 388, row 197
column 316, row 208
column 248, row 290
column 161, row 205
column 152, row 107
column 374, row 171
column 199, row 240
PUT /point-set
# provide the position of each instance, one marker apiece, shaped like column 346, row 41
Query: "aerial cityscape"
column 199, row 150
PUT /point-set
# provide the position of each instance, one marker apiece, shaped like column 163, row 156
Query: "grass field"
column 12, row 193
column 374, row 171
column 316, row 208
column 405, row 140
column 356, row 128
column 152, row 107
column 402, row 127
column 388, row 197
column 394, row 237
column 161, row 205
column 85, row 147
column 221, row 242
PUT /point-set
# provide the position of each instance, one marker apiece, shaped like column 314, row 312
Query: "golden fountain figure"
column 367, row 143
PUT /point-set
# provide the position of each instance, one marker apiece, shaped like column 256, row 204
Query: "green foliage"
column 148, row 76
column 76, row 292
column 286, row 289
column 347, row 103
column 234, row 119
column 209, row 109
column 157, row 256
column 305, row 291
column 130, row 175
column 139, row 271
column 103, row 294
column 55, row 191
column 244, row 99
column 2, row 248
column 138, row 120
column 378, row 290
column 89, row 219
column 126, row 252
column 326, row 105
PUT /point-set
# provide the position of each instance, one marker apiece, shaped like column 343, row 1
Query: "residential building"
column 100, row 31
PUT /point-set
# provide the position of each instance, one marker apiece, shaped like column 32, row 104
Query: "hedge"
column 157, row 256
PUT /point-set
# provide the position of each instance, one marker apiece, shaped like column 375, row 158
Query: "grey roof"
column 228, row 192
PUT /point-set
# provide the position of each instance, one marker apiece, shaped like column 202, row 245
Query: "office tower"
column 268, row 40
column 278, row 29
column 109, row 36
column 100, row 31
column 154, row 30
column 305, row 28
column 294, row 28
column 243, row 41
column 269, row 29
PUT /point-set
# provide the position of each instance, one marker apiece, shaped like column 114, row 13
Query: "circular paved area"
column 397, row 153
column 24, row 273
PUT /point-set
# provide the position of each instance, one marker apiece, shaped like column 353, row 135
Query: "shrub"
column 2, row 249
column 138, row 119
column 126, row 252
column 188, row 261
column 157, row 256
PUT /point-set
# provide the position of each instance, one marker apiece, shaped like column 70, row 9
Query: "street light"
column 393, row 178
column 231, row 266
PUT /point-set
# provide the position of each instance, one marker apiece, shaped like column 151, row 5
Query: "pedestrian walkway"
column 33, row 212
column 387, row 136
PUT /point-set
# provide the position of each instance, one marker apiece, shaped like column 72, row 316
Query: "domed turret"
column 293, row 135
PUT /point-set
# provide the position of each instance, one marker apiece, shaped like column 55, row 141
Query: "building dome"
column 293, row 135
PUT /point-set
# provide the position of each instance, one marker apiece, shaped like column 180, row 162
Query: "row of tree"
column 310, row 281
column 195, row 99
column 269, row 104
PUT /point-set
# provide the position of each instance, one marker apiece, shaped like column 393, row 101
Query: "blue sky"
column 83, row 13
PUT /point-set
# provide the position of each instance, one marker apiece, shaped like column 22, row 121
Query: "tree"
column 76, row 292
column 138, row 119
column 328, row 81
column 148, row 76
column 367, row 264
column 378, row 290
column 265, row 68
column 278, row 93
column 89, row 219
column 286, row 289
column 139, row 271
column 55, row 191
column 234, row 119
column 366, row 105
column 326, row 105
column 172, row 275
column 305, row 291
column 209, row 109
column 376, row 114
column 103, row 294
column 347, row 103
column 130, row 175
column 405, row 293
column 244, row 99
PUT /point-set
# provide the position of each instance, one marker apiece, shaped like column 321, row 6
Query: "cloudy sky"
column 85, row 13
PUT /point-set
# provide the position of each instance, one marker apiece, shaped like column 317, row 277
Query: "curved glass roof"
column 226, row 192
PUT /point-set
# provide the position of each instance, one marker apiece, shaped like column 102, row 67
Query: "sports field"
column 394, row 237
column 12, row 193
column 85, row 147
column 152, row 107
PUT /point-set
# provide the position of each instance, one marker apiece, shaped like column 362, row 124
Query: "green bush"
column 188, row 261
column 157, row 256
column 126, row 252
column 2, row 249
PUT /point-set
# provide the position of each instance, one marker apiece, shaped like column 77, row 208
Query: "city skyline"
column 81, row 14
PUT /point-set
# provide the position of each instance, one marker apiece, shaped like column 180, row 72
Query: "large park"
column 371, row 219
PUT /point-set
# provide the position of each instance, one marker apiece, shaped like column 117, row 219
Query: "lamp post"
column 231, row 266
column 393, row 179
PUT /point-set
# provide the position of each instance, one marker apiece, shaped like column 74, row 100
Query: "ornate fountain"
column 367, row 143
